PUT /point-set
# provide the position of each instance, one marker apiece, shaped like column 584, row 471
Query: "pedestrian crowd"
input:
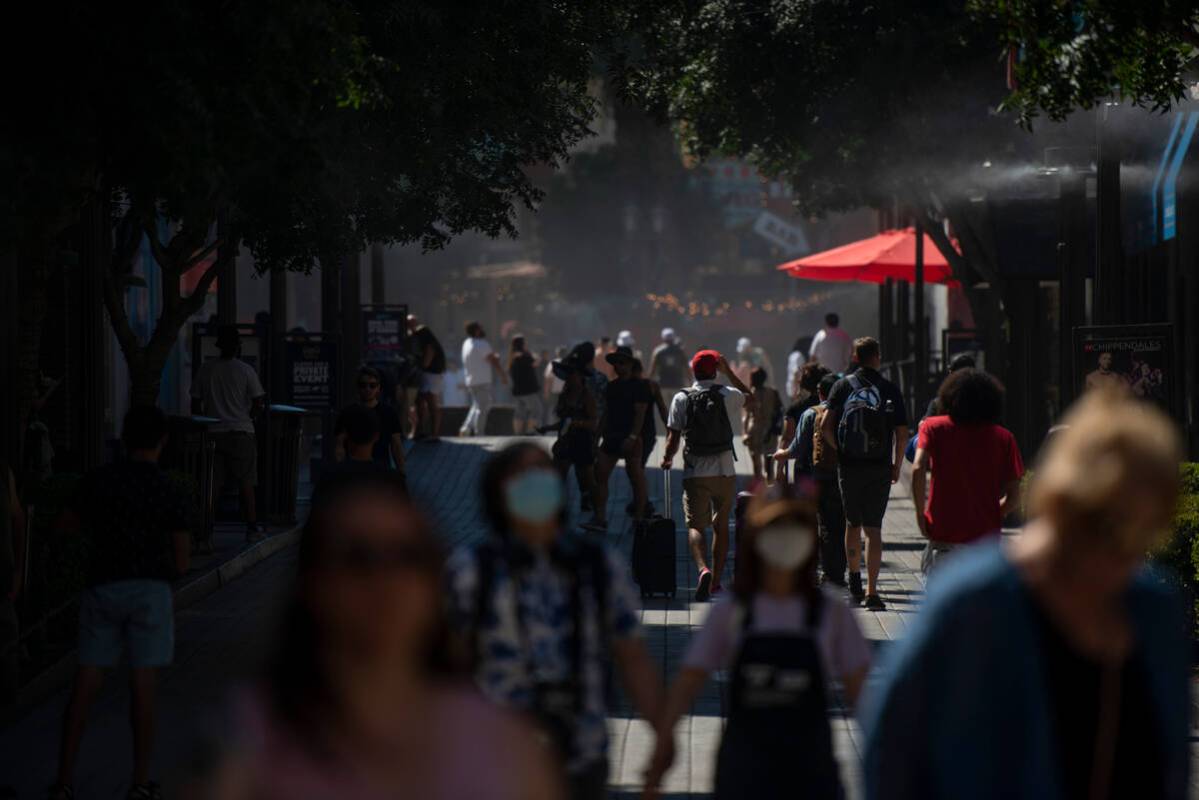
column 1051, row 665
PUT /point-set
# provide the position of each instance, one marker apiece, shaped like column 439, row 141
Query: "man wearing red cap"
column 704, row 417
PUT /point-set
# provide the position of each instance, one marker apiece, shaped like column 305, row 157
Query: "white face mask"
column 786, row 546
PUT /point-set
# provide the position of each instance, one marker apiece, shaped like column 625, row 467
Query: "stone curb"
column 58, row 675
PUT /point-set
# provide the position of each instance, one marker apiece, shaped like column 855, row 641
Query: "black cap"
column 620, row 354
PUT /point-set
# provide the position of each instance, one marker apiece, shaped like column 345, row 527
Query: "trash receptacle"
column 190, row 450
column 279, row 431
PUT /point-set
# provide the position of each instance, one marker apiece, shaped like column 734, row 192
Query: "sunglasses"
column 368, row 385
column 363, row 558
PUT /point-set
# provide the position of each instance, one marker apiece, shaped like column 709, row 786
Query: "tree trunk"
column 145, row 380
column 147, row 361
column 145, row 369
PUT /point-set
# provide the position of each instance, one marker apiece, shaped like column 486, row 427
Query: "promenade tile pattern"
column 670, row 623
column 221, row 640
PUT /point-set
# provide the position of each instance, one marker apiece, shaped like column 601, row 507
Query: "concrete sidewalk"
column 220, row 640
column 449, row 467
column 669, row 625
column 226, row 557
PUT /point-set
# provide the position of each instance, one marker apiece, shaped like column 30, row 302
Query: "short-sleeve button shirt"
column 511, row 665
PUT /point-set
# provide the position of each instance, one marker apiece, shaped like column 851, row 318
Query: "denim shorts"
column 135, row 617
column 431, row 382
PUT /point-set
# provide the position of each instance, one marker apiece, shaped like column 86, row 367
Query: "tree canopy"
column 303, row 130
column 1073, row 55
column 854, row 104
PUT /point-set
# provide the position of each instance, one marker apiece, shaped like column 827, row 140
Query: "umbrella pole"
column 920, row 382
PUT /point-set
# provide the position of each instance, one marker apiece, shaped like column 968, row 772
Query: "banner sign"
column 384, row 331
column 311, row 372
column 1134, row 358
column 789, row 238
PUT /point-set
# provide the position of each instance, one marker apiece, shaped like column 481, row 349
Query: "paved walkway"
column 220, row 641
column 669, row 624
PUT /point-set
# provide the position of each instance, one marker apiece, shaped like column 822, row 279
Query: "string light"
column 691, row 309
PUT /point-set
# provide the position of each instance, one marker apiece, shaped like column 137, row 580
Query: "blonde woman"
column 1056, row 666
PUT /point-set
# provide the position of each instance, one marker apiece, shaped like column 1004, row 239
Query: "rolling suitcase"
column 653, row 549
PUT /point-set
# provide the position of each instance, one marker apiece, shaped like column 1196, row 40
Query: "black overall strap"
column 777, row 743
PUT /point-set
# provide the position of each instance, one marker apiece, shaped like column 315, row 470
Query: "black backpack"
column 863, row 431
column 708, row 431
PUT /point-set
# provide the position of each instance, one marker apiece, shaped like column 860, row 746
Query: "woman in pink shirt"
column 360, row 700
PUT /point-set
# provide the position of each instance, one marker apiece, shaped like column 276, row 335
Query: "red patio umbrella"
column 890, row 254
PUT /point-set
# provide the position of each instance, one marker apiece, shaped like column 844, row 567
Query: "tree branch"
column 961, row 267
column 977, row 252
column 115, row 306
column 198, row 259
column 156, row 249
column 128, row 239
column 195, row 301
column 185, row 242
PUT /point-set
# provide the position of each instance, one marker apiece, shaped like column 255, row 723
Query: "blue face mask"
column 534, row 496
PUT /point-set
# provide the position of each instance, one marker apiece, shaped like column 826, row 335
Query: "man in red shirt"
column 971, row 463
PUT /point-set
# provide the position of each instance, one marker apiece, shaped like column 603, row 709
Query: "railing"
column 902, row 374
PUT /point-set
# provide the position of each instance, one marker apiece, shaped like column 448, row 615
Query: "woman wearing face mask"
column 541, row 613
column 1053, row 665
column 784, row 641
column 360, row 701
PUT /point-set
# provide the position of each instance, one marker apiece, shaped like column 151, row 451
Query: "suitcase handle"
column 667, row 505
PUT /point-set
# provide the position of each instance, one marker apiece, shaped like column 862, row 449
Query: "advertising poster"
column 1136, row 358
column 384, row 331
column 311, row 369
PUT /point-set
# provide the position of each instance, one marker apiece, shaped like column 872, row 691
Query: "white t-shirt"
column 843, row 648
column 720, row 465
column 475, row 367
column 555, row 383
column 833, row 348
column 795, row 362
column 228, row 388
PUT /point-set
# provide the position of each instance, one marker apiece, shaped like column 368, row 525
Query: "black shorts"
column 614, row 444
column 865, row 490
column 575, row 447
